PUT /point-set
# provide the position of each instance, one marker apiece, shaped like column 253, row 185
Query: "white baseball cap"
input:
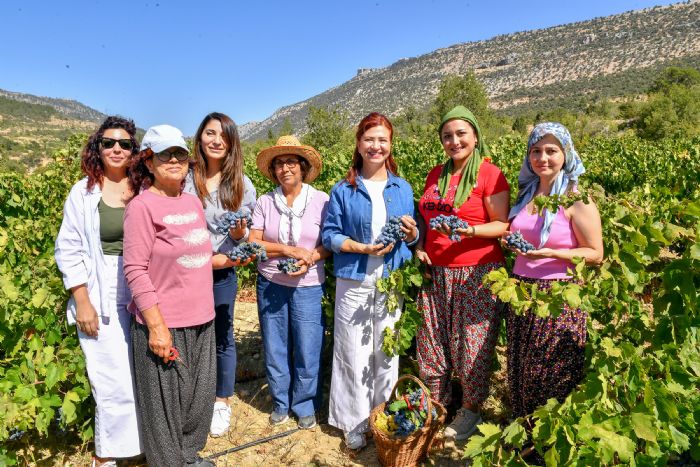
column 161, row 137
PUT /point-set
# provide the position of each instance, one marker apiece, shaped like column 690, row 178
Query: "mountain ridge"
column 515, row 64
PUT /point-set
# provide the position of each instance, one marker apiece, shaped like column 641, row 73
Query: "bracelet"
column 473, row 233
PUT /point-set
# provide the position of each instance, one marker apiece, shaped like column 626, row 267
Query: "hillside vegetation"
column 32, row 128
column 611, row 56
column 638, row 403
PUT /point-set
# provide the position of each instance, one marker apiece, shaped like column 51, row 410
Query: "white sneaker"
column 221, row 420
column 111, row 463
column 463, row 425
column 355, row 440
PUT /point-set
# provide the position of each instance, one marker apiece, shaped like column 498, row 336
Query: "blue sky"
column 173, row 61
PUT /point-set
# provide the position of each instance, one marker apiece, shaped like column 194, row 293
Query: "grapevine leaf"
column 39, row 297
column 515, row 434
column 572, row 295
column 643, row 426
column 53, row 374
column 679, row 439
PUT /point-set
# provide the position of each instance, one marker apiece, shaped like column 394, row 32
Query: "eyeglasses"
column 291, row 163
column 179, row 154
column 108, row 143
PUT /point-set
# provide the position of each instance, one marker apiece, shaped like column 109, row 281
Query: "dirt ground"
column 252, row 404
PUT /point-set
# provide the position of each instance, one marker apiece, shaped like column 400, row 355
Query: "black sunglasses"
column 179, row 154
column 108, row 143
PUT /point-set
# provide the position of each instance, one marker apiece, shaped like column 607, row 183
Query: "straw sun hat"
column 289, row 145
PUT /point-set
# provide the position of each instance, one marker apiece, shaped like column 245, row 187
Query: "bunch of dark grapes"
column 247, row 249
column 516, row 240
column 229, row 219
column 288, row 265
column 453, row 222
column 404, row 425
column 391, row 232
column 16, row 434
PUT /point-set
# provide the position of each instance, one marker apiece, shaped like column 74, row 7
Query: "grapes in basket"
column 404, row 414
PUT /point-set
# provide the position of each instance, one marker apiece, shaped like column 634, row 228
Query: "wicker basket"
column 408, row 451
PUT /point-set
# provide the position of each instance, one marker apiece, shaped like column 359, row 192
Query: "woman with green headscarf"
column 464, row 209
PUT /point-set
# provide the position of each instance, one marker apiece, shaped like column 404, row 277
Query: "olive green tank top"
column 111, row 229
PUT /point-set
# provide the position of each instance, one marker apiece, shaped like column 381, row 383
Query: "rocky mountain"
column 608, row 56
column 32, row 127
column 64, row 107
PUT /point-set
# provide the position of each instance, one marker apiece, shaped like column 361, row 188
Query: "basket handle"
column 425, row 389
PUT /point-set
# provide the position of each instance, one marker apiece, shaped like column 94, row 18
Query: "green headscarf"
column 471, row 170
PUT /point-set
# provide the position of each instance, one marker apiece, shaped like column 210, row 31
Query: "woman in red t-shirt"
column 460, row 317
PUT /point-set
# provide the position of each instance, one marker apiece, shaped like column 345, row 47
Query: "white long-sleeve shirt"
column 78, row 250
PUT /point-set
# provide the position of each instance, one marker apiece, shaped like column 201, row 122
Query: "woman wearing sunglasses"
column 167, row 263
column 89, row 254
column 217, row 180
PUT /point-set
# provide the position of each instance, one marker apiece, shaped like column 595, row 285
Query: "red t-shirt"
column 470, row 251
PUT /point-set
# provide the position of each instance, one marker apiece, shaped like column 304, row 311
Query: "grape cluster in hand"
column 245, row 250
column 516, row 240
column 288, row 265
column 229, row 219
column 391, row 232
column 453, row 222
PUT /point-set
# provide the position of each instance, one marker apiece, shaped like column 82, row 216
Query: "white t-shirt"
column 375, row 188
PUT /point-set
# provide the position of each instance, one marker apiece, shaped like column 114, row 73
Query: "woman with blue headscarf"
column 546, row 355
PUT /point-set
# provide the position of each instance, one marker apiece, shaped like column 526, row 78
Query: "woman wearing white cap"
column 167, row 263
column 89, row 255
column 288, row 221
column 217, row 179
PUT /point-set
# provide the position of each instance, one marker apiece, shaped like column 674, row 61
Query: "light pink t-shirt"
column 561, row 237
column 266, row 217
column 167, row 258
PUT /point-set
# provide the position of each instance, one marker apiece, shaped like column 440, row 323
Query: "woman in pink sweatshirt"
column 167, row 263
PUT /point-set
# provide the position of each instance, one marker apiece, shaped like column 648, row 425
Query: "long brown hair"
column 231, row 185
column 370, row 121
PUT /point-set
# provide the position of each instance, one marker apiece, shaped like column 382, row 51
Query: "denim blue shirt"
column 350, row 216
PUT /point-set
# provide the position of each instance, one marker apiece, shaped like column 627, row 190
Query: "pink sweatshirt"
column 561, row 237
column 167, row 258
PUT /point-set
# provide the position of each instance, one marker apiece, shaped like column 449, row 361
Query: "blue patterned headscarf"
column 528, row 181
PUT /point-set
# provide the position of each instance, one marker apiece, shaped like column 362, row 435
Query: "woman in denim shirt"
column 360, row 205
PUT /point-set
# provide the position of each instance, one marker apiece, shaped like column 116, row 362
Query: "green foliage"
column 41, row 367
column 464, row 90
column 673, row 112
column 675, row 76
column 328, row 127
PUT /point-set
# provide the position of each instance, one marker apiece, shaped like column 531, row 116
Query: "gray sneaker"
column 277, row 418
column 463, row 425
column 306, row 423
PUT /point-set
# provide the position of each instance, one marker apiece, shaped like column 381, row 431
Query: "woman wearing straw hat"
column 287, row 222
column 218, row 181
column 167, row 263
column 460, row 317
column 360, row 205
column 546, row 355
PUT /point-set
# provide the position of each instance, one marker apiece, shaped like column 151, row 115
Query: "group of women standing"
column 160, row 352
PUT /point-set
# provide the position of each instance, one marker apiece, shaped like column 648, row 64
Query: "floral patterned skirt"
column 459, row 331
column 545, row 355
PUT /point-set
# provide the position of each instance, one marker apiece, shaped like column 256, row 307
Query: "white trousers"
column 108, row 361
column 363, row 375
